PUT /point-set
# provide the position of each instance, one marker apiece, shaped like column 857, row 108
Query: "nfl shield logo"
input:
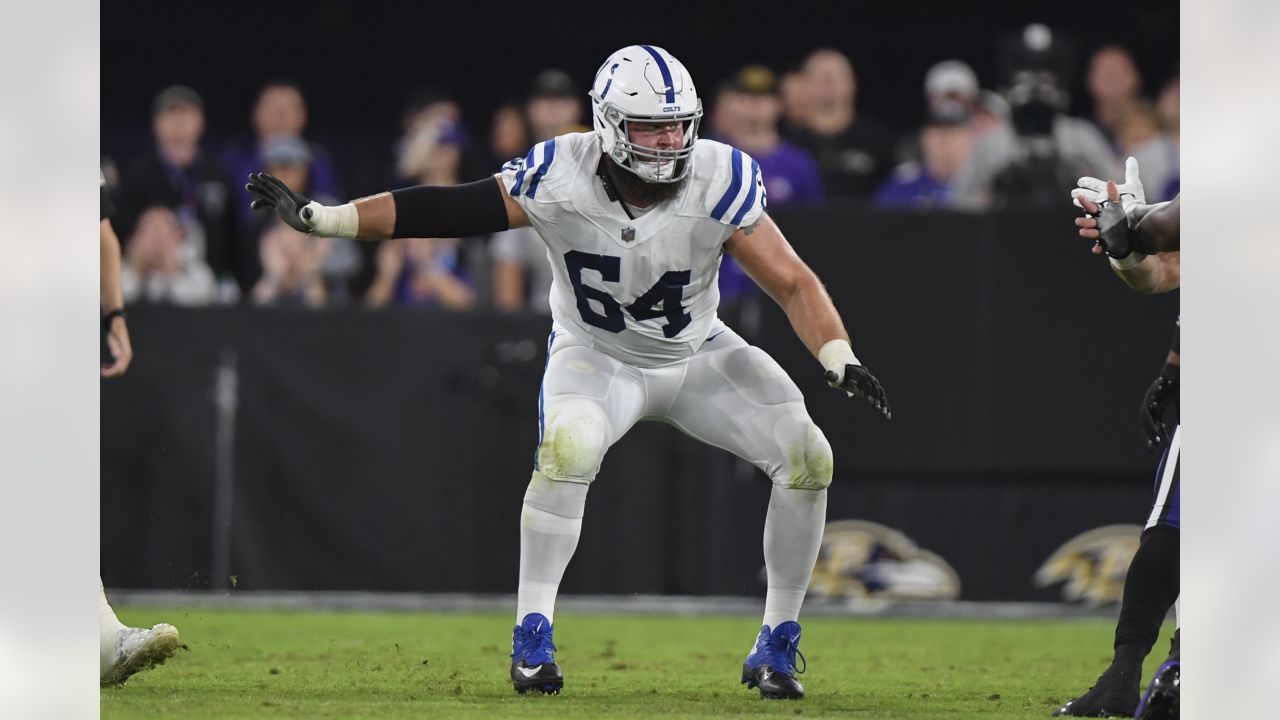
column 628, row 234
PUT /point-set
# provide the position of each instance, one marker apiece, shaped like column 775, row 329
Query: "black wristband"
column 431, row 211
column 111, row 315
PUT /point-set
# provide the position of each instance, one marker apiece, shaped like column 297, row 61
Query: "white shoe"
column 138, row 649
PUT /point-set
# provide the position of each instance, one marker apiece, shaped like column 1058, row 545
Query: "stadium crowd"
column 191, row 239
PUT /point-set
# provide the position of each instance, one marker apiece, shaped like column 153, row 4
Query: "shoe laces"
column 530, row 644
column 786, row 657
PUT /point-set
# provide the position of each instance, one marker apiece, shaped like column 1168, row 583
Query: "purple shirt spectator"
column 911, row 186
column 279, row 111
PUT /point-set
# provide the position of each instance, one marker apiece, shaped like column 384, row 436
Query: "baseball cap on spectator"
column 951, row 77
column 286, row 150
column 754, row 80
column 553, row 83
column 175, row 95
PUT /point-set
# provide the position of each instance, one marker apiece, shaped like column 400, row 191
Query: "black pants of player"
column 1152, row 583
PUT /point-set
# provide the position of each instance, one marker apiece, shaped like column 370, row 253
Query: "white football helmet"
column 643, row 83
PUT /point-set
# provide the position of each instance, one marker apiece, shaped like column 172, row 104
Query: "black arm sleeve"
column 108, row 209
column 431, row 211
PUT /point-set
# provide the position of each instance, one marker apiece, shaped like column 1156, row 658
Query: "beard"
column 639, row 192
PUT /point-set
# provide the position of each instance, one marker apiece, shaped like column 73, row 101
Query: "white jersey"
column 643, row 291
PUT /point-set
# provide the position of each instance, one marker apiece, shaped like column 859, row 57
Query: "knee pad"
column 574, row 440
column 809, row 460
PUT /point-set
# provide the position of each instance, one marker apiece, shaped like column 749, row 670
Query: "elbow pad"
column 431, row 211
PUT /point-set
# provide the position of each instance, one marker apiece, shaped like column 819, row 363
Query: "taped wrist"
column 450, row 211
column 835, row 355
column 341, row 221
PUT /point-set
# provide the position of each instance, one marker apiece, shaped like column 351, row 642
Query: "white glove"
column 1095, row 190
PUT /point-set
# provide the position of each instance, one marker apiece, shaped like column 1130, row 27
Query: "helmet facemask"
column 649, row 164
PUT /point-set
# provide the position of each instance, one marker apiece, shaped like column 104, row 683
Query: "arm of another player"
column 112, row 300
column 1159, row 226
column 423, row 211
column 1151, row 274
column 772, row 263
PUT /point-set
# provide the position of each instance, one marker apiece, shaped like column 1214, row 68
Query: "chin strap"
column 603, row 172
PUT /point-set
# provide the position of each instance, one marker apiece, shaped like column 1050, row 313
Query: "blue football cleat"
column 772, row 665
column 533, row 660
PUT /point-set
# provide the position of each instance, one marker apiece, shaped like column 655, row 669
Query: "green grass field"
column 387, row 665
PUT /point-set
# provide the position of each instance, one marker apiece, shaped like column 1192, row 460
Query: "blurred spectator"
column 155, row 269
column 431, row 153
column 951, row 87
column 420, row 272
column 176, row 174
column 521, row 274
column 1168, row 106
column 853, row 151
column 1028, row 161
column 291, row 263
column 1114, row 84
column 748, row 109
column 945, row 141
column 991, row 112
column 796, row 103
column 1138, row 134
column 279, row 111
column 509, row 133
column 434, row 106
column 554, row 106
column 288, row 158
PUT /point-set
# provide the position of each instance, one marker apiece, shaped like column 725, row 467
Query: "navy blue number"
column 607, row 266
column 667, row 292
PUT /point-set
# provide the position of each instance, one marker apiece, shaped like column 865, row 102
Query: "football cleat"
column 1114, row 695
column 1161, row 699
column 771, row 666
column 533, row 660
column 137, row 649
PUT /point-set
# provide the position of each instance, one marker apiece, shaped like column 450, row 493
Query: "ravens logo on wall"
column 861, row 559
column 1092, row 564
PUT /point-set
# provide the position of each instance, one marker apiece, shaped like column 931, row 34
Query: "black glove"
column 860, row 382
column 1162, row 393
column 271, row 193
column 1115, row 235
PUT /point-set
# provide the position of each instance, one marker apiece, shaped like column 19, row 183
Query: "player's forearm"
column 1158, row 227
column 812, row 314
column 112, row 295
column 1154, row 274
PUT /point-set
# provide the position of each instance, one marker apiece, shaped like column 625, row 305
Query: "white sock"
column 549, row 527
column 792, row 537
column 108, row 626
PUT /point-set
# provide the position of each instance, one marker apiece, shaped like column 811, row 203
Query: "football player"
column 1143, row 244
column 636, row 216
column 122, row 650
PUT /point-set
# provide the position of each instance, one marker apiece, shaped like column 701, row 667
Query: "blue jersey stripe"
column 751, row 194
column 666, row 73
column 548, row 154
column 528, row 160
column 735, row 185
